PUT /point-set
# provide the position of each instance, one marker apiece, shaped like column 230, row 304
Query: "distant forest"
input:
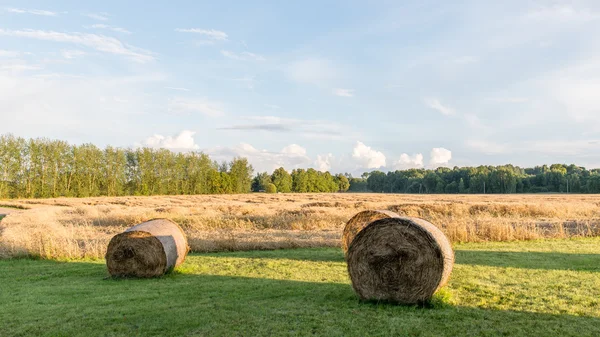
column 43, row 168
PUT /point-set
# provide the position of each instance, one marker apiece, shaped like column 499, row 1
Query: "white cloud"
column 321, row 129
column 46, row 104
column 99, row 42
column 71, row 54
column 294, row 150
column 290, row 157
column 272, row 106
column 178, row 88
column 440, row 157
column 244, row 56
column 182, row 142
column 366, row 157
column 19, row 66
column 435, row 104
column 31, row 11
column 312, row 71
column 562, row 13
column 323, row 162
column 180, row 105
column 209, row 33
column 343, row 92
column 407, row 162
column 112, row 28
column 9, row 53
column 98, row 16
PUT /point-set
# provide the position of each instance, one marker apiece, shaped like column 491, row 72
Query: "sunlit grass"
column 536, row 288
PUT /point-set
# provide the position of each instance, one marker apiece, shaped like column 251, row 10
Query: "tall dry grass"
column 81, row 228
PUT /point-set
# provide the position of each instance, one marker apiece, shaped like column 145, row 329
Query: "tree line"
column 556, row 178
column 43, row 168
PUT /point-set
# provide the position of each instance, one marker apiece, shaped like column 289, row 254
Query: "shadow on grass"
column 530, row 260
column 299, row 254
column 56, row 298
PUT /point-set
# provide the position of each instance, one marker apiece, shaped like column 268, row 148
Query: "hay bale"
column 400, row 259
column 360, row 221
column 149, row 249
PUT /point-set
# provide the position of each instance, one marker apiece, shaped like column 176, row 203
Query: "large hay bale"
column 360, row 221
column 401, row 260
column 149, row 249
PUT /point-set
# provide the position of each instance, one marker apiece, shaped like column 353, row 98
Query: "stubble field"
column 81, row 228
column 544, row 279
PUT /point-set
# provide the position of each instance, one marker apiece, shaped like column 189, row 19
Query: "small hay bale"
column 360, row 221
column 401, row 260
column 149, row 249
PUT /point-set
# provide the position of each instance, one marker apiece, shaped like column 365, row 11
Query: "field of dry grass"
column 81, row 228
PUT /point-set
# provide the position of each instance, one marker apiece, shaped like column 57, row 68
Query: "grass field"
column 535, row 288
column 81, row 228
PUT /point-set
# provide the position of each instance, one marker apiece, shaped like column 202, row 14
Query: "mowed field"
column 535, row 288
column 81, row 228
column 525, row 265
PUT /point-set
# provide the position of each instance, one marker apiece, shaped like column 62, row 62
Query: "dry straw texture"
column 149, row 249
column 360, row 221
column 401, row 260
column 82, row 227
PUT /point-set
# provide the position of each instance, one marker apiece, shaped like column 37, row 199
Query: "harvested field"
column 81, row 228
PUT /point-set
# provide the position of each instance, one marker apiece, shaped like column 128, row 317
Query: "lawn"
column 537, row 288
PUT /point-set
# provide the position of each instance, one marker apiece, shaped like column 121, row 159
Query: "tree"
column 343, row 184
column 240, row 172
column 282, row 180
column 461, row 186
column 260, row 182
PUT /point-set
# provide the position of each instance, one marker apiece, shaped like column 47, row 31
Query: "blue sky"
column 345, row 86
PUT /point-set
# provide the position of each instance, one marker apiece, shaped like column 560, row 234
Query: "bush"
column 271, row 188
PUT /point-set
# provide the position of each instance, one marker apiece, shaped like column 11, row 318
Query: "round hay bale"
column 360, row 221
column 402, row 260
column 149, row 249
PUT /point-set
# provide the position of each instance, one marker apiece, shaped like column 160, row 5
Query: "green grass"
column 529, row 288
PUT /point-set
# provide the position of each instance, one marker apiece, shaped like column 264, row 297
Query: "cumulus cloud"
column 407, row 162
column 366, row 157
column 243, row 56
column 435, row 104
column 343, row 92
column 184, row 141
column 99, row 42
column 290, row 157
column 180, row 105
column 211, row 34
column 323, row 162
column 440, row 157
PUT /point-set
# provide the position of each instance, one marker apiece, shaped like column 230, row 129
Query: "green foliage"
column 282, row 180
column 539, row 288
column 343, row 184
column 260, row 182
column 43, row 168
column 557, row 178
column 271, row 188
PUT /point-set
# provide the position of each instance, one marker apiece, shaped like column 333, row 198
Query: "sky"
column 344, row 86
